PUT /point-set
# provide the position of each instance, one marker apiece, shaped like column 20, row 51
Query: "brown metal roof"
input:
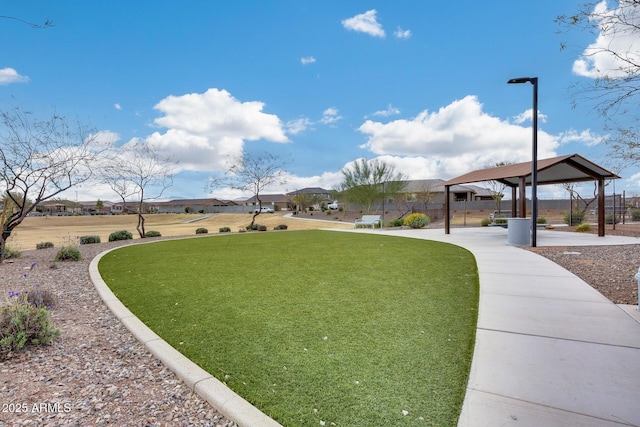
column 556, row 170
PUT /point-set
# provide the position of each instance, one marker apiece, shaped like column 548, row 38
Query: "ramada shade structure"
column 556, row 170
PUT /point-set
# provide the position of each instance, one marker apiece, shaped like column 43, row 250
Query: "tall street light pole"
column 534, row 162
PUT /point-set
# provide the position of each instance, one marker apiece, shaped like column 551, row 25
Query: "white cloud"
column 297, row 126
column 307, row 60
column 527, row 115
column 330, row 116
column 585, row 137
column 365, row 23
column 390, row 111
column 456, row 139
column 402, row 34
column 204, row 129
column 597, row 60
column 9, row 75
column 117, row 106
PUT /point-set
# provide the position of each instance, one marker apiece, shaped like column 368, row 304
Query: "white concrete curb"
column 221, row 397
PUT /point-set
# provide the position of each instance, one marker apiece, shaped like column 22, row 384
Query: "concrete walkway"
column 550, row 350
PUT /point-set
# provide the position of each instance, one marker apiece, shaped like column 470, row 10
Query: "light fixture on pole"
column 534, row 162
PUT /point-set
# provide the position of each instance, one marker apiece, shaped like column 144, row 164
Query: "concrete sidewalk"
column 550, row 350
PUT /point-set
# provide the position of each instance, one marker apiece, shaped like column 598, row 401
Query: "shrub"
column 577, row 217
column 224, row 230
column 68, row 253
column 22, row 323
column 485, row 222
column 398, row 222
column 417, row 220
column 262, row 228
column 583, row 228
column 541, row 220
column 635, row 215
column 281, row 227
column 252, row 227
column 152, row 233
column 609, row 218
column 201, row 211
column 120, row 235
column 89, row 240
column 201, row 230
column 11, row 253
column 44, row 245
column 500, row 219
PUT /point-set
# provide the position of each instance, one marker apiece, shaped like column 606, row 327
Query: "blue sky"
column 420, row 84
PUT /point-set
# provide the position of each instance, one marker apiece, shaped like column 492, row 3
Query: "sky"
column 419, row 84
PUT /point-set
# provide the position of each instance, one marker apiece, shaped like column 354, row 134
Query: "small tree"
column 253, row 174
column 39, row 159
column 496, row 188
column 368, row 181
column 138, row 170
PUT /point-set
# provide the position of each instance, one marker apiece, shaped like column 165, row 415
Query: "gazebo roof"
column 556, row 170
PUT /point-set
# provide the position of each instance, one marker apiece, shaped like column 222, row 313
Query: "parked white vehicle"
column 264, row 209
column 333, row 205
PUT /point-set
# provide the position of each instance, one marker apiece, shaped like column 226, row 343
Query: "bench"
column 367, row 220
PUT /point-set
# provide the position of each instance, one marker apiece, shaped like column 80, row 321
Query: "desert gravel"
column 97, row 374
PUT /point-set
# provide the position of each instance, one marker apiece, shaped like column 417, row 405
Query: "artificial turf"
column 347, row 329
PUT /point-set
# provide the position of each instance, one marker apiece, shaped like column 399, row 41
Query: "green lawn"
column 312, row 326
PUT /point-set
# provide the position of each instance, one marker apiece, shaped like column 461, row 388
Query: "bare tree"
column 39, row 159
column 496, row 188
column 612, row 65
column 368, row 181
column 139, row 171
column 252, row 174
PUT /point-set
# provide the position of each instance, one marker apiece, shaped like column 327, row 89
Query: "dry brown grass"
column 62, row 230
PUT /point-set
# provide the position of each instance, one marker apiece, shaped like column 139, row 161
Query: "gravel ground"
column 609, row 269
column 97, row 374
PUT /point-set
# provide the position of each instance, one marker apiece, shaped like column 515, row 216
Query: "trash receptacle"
column 519, row 231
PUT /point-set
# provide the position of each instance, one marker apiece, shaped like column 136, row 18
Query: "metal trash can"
column 519, row 231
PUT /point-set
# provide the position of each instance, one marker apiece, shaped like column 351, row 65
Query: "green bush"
column 417, row 220
column 281, row 227
column 201, row 230
column 11, row 253
column 262, row 228
column 120, row 235
column 635, row 215
column 152, row 233
column 485, row 222
column 44, row 245
column 609, row 218
column 89, row 240
column 252, row 227
column 398, row 222
column 500, row 219
column 224, row 230
column 22, row 323
column 68, row 253
column 577, row 217
column 541, row 220
column 583, row 227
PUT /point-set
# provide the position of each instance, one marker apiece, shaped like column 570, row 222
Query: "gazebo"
column 556, row 170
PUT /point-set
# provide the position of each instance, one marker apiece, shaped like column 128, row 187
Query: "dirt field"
column 63, row 230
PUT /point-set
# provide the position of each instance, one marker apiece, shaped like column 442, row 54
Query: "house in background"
column 279, row 202
column 192, row 206
column 98, row 207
